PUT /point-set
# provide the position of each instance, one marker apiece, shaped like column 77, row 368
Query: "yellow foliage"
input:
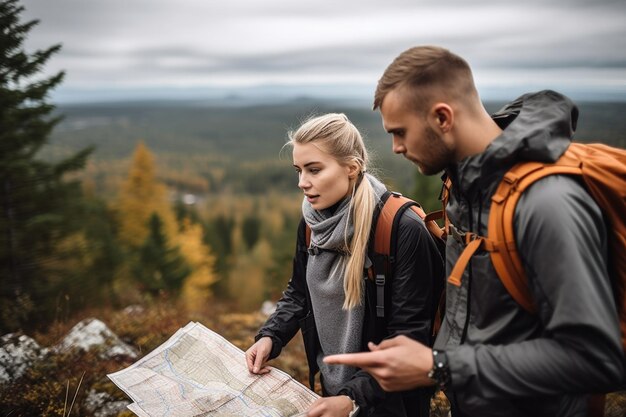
column 246, row 284
column 247, row 278
column 70, row 254
column 236, row 239
column 141, row 196
column 272, row 221
column 196, row 290
column 262, row 253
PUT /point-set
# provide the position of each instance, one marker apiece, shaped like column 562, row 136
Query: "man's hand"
column 397, row 364
column 257, row 355
column 338, row 406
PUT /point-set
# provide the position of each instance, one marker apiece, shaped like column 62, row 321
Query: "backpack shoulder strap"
column 444, row 197
column 387, row 223
column 603, row 170
column 385, row 245
column 500, row 240
column 385, row 240
column 504, row 256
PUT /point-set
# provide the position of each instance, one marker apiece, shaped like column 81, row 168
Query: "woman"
column 327, row 292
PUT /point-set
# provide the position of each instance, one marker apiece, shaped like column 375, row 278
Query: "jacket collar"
column 536, row 127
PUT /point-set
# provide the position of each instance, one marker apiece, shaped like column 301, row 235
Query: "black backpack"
column 382, row 251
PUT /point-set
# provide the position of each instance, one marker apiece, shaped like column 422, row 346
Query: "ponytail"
column 362, row 210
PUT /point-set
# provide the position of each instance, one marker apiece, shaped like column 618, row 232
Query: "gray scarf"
column 339, row 330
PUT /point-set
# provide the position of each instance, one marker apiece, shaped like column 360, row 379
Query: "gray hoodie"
column 504, row 360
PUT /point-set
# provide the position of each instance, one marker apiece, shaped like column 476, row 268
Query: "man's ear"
column 442, row 116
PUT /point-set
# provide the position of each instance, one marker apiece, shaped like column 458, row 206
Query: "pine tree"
column 251, row 230
column 36, row 204
column 161, row 265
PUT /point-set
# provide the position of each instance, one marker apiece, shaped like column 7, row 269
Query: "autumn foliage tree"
column 141, row 196
column 197, row 288
column 163, row 256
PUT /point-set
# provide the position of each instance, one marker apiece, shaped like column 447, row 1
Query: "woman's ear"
column 353, row 170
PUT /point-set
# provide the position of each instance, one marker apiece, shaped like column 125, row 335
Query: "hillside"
column 205, row 148
column 48, row 387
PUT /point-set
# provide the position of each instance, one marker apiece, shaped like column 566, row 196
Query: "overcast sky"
column 126, row 47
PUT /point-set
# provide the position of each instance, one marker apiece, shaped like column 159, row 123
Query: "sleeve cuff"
column 277, row 344
column 462, row 367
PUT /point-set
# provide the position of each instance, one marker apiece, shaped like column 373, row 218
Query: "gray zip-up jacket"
column 503, row 360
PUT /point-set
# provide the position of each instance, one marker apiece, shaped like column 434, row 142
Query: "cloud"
column 160, row 43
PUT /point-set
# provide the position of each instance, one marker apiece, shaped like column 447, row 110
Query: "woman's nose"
column 303, row 183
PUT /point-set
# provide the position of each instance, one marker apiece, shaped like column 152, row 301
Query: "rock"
column 17, row 353
column 92, row 333
column 134, row 310
column 268, row 307
column 101, row 404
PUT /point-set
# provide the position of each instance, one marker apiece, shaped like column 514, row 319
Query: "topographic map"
column 197, row 372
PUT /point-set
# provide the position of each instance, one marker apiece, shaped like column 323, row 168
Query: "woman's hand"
column 338, row 406
column 257, row 354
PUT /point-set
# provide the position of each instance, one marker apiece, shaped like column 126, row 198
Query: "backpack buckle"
column 456, row 234
column 380, row 279
column 380, row 295
column 462, row 237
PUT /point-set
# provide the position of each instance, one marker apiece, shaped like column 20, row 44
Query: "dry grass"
column 47, row 387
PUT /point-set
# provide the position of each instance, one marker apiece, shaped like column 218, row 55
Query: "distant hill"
column 244, row 141
column 597, row 122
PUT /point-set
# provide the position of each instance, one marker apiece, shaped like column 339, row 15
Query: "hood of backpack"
column 536, row 127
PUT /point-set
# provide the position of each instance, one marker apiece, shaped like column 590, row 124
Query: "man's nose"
column 397, row 146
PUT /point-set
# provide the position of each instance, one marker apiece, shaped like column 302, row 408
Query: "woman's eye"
column 314, row 170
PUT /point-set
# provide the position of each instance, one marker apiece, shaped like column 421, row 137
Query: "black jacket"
column 410, row 313
column 504, row 360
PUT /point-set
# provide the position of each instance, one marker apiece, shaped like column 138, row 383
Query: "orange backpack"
column 603, row 171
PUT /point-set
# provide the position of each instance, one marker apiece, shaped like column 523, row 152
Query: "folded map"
column 197, row 372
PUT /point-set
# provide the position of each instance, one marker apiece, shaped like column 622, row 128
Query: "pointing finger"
column 359, row 360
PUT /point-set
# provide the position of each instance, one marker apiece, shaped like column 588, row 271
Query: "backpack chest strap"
column 472, row 243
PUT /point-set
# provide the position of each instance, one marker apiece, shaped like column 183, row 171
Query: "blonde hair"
column 428, row 73
column 334, row 134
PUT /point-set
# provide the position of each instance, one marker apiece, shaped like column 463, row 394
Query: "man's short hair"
column 428, row 73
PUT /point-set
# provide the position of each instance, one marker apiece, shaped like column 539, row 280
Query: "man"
column 492, row 356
